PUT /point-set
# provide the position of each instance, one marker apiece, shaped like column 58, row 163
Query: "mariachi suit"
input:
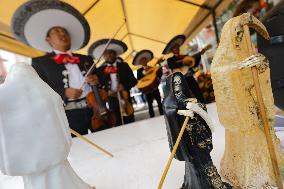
column 174, row 62
column 126, row 78
column 154, row 94
column 56, row 76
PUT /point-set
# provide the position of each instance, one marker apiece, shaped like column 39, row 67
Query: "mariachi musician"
column 66, row 31
column 178, row 61
column 116, row 78
column 152, row 92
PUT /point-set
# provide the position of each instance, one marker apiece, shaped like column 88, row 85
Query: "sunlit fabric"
column 150, row 24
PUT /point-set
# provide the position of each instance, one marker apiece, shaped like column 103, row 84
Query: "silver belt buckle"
column 76, row 105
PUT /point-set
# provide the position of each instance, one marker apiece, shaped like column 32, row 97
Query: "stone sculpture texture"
column 246, row 162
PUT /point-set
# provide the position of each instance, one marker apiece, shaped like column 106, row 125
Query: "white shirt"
column 75, row 76
column 114, row 79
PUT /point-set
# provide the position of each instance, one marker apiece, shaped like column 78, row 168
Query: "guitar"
column 189, row 61
column 149, row 82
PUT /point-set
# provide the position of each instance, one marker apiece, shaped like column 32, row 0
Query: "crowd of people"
column 97, row 95
column 68, row 73
column 65, row 72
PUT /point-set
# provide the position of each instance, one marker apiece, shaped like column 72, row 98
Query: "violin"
column 126, row 108
column 98, row 98
column 101, row 115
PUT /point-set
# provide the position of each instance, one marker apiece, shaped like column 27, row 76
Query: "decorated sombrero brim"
column 97, row 48
column 142, row 54
column 2, row 59
column 177, row 40
column 32, row 20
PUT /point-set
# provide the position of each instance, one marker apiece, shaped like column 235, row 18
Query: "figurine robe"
column 196, row 142
column 35, row 138
column 246, row 161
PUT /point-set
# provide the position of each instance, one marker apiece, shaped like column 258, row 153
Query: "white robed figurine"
column 34, row 134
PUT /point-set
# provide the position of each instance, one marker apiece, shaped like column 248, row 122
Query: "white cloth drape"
column 34, row 132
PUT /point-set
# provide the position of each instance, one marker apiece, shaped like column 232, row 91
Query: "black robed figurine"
column 196, row 142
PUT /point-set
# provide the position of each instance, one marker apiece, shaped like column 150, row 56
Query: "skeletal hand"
column 187, row 113
column 252, row 61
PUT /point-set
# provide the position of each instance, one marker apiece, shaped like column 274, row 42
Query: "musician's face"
column 175, row 49
column 143, row 61
column 255, row 9
column 109, row 56
column 59, row 38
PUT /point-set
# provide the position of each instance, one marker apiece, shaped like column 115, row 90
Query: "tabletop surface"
column 141, row 151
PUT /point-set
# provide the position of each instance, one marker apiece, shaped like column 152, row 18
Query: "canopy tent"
column 150, row 24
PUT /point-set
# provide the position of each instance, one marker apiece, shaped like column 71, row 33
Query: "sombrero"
column 32, row 20
column 96, row 49
column 177, row 40
column 141, row 54
column 2, row 59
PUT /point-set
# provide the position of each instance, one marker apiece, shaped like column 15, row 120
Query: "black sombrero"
column 96, row 49
column 32, row 20
column 177, row 40
column 141, row 54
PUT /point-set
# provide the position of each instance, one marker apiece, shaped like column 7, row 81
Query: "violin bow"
column 90, row 142
column 120, row 107
column 173, row 152
column 100, row 57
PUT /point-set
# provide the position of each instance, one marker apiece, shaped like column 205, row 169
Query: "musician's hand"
column 92, row 79
column 111, row 93
column 188, row 61
column 120, row 87
column 206, row 48
column 72, row 93
column 146, row 68
column 160, row 60
column 203, row 51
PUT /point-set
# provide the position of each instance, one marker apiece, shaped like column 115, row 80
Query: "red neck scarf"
column 110, row 69
column 66, row 59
